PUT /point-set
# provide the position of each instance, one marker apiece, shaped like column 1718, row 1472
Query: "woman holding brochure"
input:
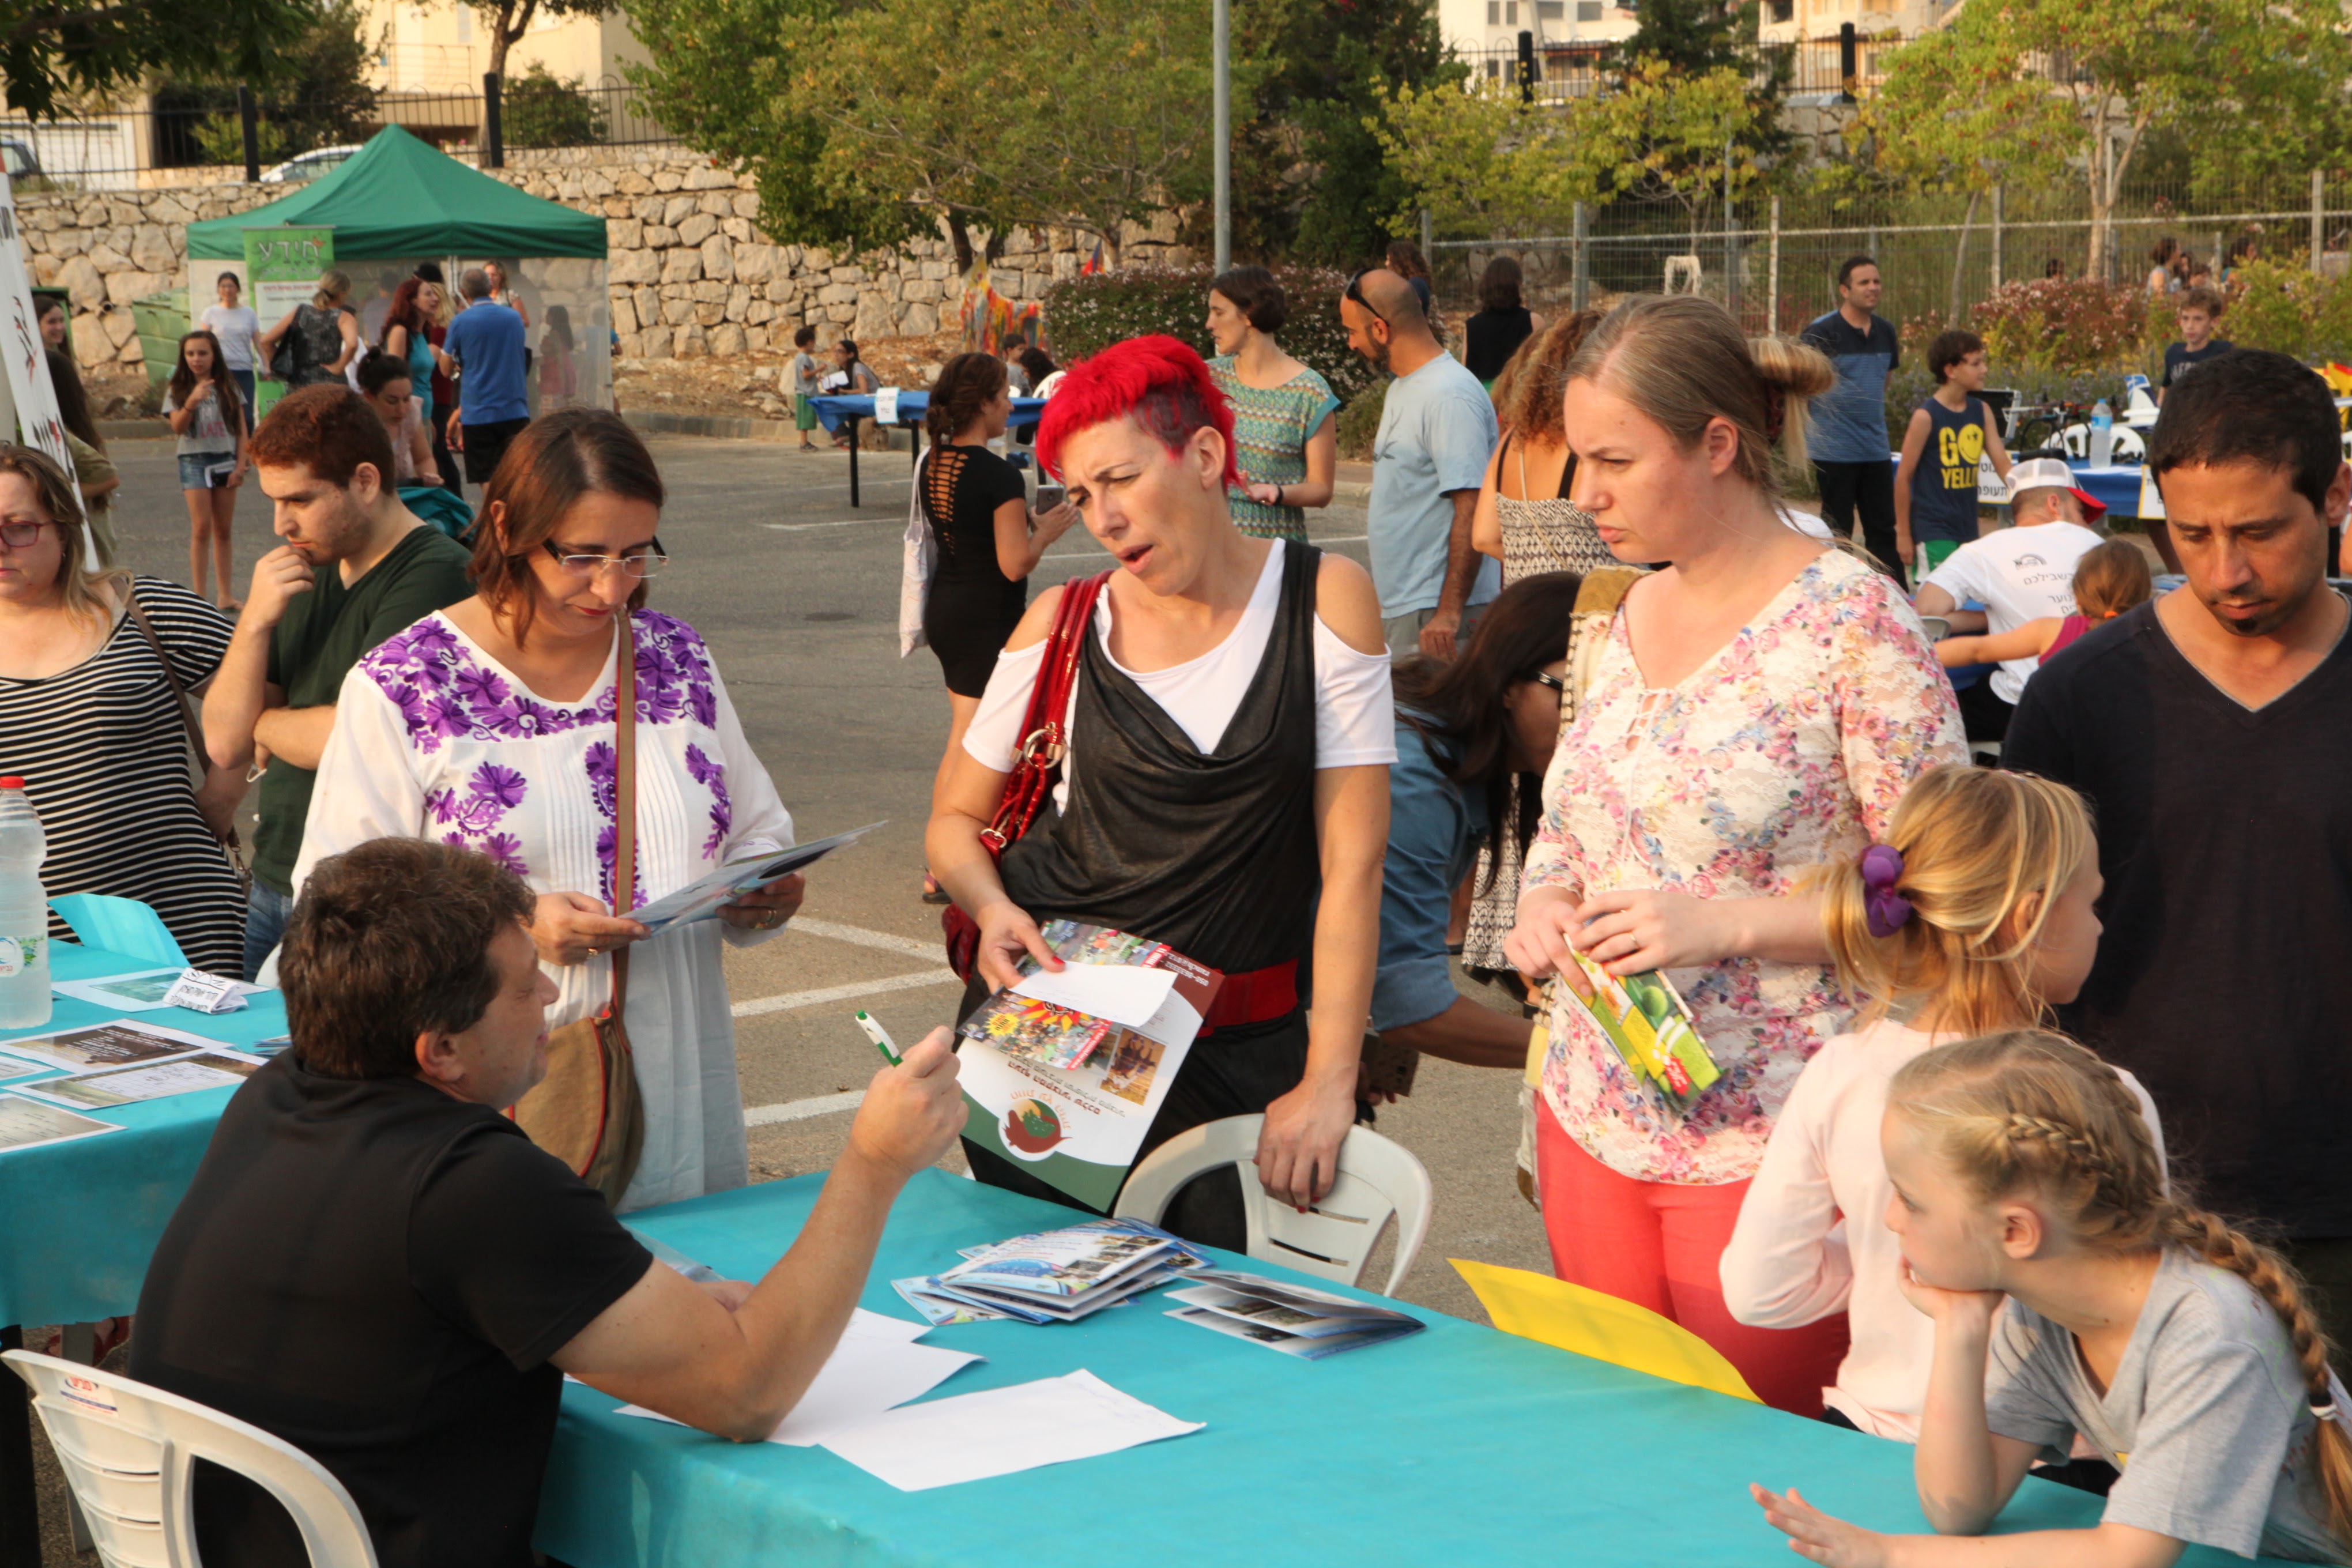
column 1230, row 734
column 492, row 725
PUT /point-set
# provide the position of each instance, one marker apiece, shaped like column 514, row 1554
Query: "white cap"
column 2046, row 473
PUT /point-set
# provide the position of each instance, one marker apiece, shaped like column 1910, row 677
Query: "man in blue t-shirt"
column 1851, row 459
column 493, row 399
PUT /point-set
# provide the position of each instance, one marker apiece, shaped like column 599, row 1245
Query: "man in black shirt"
column 2212, row 731
column 378, row 1266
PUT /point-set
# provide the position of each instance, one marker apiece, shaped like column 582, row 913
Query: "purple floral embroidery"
column 443, row 692
column 712, row 776
column 603, row 766
column 491, row 793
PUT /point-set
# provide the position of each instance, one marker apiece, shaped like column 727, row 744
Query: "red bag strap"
column 1044, row 728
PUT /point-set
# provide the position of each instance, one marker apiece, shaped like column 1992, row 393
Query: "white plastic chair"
column 1378, row 1180
column 129, row 1450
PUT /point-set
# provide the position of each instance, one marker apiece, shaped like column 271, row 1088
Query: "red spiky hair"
column 1157, row 381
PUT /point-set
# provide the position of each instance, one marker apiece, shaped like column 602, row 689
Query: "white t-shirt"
column 1811, row 1238
column 2019, row 574
column 236, row 331
column 1355, row 715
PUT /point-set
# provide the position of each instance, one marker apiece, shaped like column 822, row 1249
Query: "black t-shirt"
column 2225, row 837
column 2179, row 359
column 963, row 487
column 1495, row 336
column 377, row 1273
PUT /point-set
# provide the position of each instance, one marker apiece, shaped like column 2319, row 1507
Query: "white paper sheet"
column 876, row 1366
column 971, row 1437
column 103, row 1090
column 119, row 1042
column 142, row 990
column 26, row 1122
column 1119, row 992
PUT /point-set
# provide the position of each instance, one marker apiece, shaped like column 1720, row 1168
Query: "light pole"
column 1221, row 44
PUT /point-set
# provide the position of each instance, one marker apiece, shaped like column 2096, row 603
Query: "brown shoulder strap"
column 625, row 800
column 172, row 677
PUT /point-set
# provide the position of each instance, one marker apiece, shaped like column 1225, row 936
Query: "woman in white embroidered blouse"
column 491, row 725
column 1758, row 708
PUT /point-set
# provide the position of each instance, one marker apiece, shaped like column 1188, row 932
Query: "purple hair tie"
column 1885, row 909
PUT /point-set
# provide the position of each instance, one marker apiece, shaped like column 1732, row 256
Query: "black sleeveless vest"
column 1214, row 853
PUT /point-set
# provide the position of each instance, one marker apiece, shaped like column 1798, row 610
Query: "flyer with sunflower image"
column 1068, row 1091
column 1647, row 1021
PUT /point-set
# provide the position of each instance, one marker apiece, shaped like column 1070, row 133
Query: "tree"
column 1482, row 163
column 51, row 53
column 320, row 97
column 542, row 110
column 1659, row 133
column 508, row 20
column 724, row 76
column 2080, row 84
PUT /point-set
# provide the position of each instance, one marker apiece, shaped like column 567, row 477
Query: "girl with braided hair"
column 2182, row 1350
column 1975, row 916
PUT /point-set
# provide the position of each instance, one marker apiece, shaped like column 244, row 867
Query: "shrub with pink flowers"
column 2073, row 326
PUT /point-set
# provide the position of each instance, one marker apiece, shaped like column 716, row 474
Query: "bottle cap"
column 12, row 782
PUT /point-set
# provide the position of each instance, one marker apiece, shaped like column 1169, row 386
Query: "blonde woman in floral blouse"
column 1285, row 441
column 1758, row 708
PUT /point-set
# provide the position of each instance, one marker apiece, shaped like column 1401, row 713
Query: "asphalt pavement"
column 797, row 594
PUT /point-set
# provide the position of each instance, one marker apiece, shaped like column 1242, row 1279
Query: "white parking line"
column 792, row 999
column 865, row 937
column 804, row 527
column 802, row 1110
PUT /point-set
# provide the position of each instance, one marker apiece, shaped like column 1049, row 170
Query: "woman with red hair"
column 1225, row 785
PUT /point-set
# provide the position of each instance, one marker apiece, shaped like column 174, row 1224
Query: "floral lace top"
column 1787, row 749
column 433, row 739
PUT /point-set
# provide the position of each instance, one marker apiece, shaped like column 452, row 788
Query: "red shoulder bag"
column 1037, row 765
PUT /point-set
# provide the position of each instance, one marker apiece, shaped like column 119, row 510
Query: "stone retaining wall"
column 690, row 271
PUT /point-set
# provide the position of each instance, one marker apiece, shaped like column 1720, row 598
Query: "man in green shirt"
column 356, row 567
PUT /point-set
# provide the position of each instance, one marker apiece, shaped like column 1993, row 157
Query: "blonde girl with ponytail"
column 1975, row 915
column 2183, row 1350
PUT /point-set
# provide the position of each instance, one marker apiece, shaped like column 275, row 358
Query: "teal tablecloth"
column 78, row 1221
column 1458, row 1446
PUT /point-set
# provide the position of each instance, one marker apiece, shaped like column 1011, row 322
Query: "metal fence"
column 1773, row 260
column 174, row 143
column 1554, row 70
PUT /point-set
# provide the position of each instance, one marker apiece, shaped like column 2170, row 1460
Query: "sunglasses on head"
column 1355, row 293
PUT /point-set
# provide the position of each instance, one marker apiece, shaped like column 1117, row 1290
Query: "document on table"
column 24, row 1123
column 122, row 1086
column 971, row 1437
column 140, row 992
column 878, row 1365
column 120, row 1042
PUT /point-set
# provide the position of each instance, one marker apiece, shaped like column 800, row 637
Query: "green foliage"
column 1086, row 315
column 2069, row 325
column 50, row 54
column 722, row 75
column 2290, row 309
column 319, row 97
column 541, row 110
column 1359, row 425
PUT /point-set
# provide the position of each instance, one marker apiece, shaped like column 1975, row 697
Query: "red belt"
column 1256, row 996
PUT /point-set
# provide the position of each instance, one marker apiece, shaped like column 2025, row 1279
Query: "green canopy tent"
column 398, row 202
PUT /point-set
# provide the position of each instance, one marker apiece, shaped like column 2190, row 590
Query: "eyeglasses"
column 646, row 563
column 1546, row 678
column 1355, row 293
column 19, row 535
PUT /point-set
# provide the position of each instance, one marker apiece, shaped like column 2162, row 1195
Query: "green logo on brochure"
column 1031, row 1129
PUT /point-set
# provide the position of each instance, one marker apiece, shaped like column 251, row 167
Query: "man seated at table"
column 377, row 1266
column 2020, row 574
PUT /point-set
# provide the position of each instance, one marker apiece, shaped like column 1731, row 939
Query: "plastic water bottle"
column 23, row 912
column 2102, row 434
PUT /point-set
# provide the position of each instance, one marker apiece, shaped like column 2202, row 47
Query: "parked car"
column 307, row 167
column 19, row 160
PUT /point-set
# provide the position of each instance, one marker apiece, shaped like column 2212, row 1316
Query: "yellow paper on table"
column 1593, row 1324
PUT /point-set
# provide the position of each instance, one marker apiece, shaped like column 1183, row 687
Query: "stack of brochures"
column 1293, row 1318
column 1055, row 1276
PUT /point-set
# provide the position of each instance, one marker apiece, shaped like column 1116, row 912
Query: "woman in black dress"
column 989, row 540
column 1502, row 323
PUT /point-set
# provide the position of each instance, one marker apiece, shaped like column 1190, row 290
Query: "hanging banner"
column 32, row 397
column 283, row 267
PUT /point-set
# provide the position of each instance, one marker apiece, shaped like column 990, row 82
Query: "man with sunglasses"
column 355, row 567
column 1437, row 430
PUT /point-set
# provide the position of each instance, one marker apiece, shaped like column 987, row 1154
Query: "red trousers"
column 1657, row 1245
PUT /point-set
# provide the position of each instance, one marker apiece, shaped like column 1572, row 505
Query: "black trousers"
column 1983, row 715
column 1869, row 489
column 443, row 459
column 1234, row 1072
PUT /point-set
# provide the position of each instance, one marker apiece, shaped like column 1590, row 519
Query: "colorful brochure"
column 1079, row 1125
column 1647, row 1021
column 1295, row 1320
column 122, row 1042
column 158, row 1080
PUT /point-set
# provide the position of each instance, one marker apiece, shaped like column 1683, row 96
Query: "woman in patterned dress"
column 490, row 725
column 1285, row 441
column 1758, row 708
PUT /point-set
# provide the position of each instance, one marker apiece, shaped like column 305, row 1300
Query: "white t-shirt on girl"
column 234, row 330
column 1355, row 715
column 1811, row 1238
column 2208, row 1416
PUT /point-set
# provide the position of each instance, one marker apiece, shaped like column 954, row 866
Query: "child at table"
column 2182, row 1350
column 1974, row 917
column 2110, row 578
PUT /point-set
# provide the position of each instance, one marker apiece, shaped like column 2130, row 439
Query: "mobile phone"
column 1051, row 496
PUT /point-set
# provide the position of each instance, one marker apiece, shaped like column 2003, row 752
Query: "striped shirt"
column 106, row 763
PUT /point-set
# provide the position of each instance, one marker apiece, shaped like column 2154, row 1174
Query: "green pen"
column 879, row 1035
